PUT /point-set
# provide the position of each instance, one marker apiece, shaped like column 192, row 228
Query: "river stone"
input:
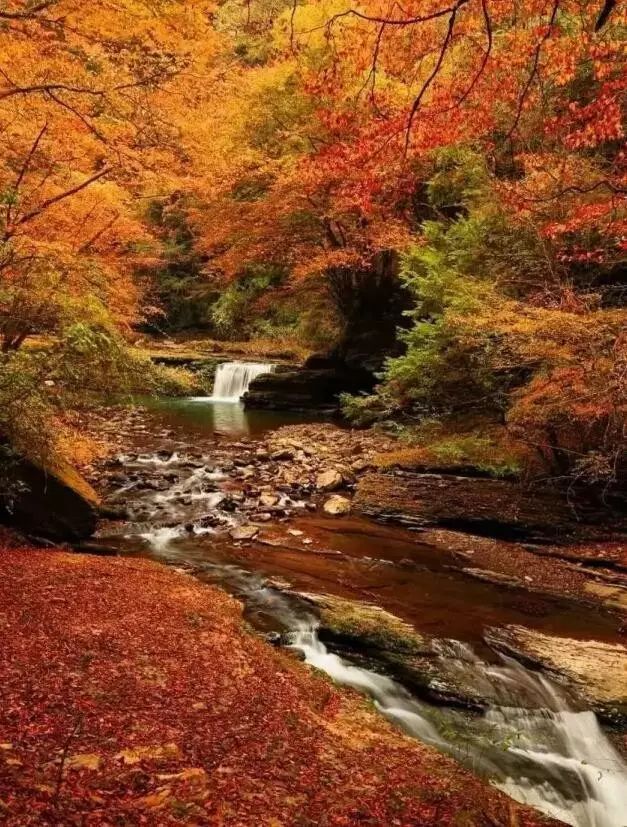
column 244, row 532
column 337, row 505
column 354, row 621
column 267, row 500
column 329, row 480
column 592, row 670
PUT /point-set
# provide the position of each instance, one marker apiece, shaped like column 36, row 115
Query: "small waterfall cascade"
column 530, row 743
column 232, row 379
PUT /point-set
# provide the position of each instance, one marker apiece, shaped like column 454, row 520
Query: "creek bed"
column 533, row 741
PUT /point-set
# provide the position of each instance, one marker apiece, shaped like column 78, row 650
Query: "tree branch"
column 534, row 69
column 27, row 14
column 24, row 168
column 604, row 15
column 425, row 86
column 61, row 197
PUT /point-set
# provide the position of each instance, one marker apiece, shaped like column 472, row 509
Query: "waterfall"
column 547, row 756
column 530, row 742
column 232, row 379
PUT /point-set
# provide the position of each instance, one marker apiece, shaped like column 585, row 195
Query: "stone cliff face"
column 315, row 386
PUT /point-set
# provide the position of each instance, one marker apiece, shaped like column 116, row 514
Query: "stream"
column 533, row 741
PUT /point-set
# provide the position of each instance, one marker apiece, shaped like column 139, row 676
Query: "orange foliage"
column 356, row 99
column 90, row 96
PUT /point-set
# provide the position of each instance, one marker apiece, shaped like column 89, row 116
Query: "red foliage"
column 131, row 694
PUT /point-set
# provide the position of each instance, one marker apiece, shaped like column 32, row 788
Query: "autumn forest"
column 313, row 347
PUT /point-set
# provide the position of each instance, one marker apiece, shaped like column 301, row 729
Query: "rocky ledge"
column 492, row 507
column 593, row 671
column 53, row 503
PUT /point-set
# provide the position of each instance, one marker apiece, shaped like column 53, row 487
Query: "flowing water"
column 532, row 742
column 233, row 379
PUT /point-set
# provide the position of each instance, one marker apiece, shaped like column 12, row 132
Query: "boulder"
column 55, row 503
column 267, row 499
column 299, row 389
column 329, row 480
column 244, row 532
column 337, row 505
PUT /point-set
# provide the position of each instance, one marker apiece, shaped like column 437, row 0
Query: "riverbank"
column 134, row 694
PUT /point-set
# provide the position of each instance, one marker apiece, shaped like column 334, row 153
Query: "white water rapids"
column 233, row 379
column 543, row 753
column 531, row 743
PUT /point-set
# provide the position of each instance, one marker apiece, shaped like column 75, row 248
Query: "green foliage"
column 363, row 410
column 234, row 314
column 480, row 452
column 443, row 364
column 84, row 367
column 27, row 404
column 497, row 330
column 182, row 296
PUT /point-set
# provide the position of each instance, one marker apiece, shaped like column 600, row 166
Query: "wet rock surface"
column 441, row 671
column 337, row 506
column 594, row 671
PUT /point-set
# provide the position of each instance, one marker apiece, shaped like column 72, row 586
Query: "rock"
column 113, row 512
column 498, row 508
column 595, row 672
column 282, row 454
column 299, row 389
column 329, row 480
column 268, row 500
column 209, row 521
column 273, row 638
column 337, row 505
column 244, row 532
column 55, row 503
column 353, row 621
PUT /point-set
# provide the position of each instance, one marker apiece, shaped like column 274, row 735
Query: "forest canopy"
column 242, row 167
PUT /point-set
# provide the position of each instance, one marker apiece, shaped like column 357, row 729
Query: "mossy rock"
column 365, row 625
column 56, row 502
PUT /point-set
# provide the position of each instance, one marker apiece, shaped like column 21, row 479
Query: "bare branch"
column 27, row 14
column 78, row 115
column 574, row 189
column 61, row 197
column 47, row 88
column 425, row 86
column 534, row 69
